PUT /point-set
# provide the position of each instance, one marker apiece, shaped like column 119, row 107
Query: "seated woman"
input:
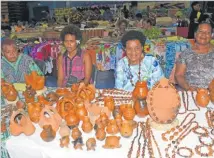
column 73, row 66
column 139, row 20
column 195, row 67
column 121, row 30
column 147, row 24
column 15, row 65
column 135, row 65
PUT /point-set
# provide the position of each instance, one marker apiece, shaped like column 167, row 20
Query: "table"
column 34, row 147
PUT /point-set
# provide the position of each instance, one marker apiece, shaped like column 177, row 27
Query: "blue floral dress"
column 150, row 71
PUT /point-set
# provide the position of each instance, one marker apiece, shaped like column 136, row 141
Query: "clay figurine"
column 78, row 143
column 91, row 144
column 112, row 142
column 76, row 133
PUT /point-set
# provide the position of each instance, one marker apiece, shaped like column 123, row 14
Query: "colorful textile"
column 150, row 72
column 14, row 72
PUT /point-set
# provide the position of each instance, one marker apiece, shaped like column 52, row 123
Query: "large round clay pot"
column 140, row 91
column 141, row 108
column 109, row 102
column 48, row 134
column 202, row 97
column 129, row 112
column 163, row 102
column 64, row 105
column 87, row 125
column 72, row 119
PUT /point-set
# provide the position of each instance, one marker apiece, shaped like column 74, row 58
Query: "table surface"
column 34, row 147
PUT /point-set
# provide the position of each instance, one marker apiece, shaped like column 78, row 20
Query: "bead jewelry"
column 175, row 130
column 132, row 143
column 193, row 98
column 205, row 143
column 198, row 151
column 210, row 118
column 184, row 103
column 156, row 144
column 149, row 146
column 131, row 76
column 139, row 143
column 204, row 131
column 144, row 142
column 186, row 149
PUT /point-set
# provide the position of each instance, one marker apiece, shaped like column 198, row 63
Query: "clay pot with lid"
column 48, row 134
column 112, row 127
column 87, row 125
column 129, row 112
column 202, row 97
column 34, row 110
column 22, row 125
column 141, row 108
column 140, row 91
column 126, row 129
column 112, row 142
column 109, row 102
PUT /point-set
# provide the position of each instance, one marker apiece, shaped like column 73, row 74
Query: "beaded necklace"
column 131, row 76
column 193, row 98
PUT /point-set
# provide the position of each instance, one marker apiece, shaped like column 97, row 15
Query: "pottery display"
column 49, row 116
column 52, row 97
column 126, row 129
column 90, row 90
column 62, row 91
column 112, row 127
column 64, row 129
column 21, row 123
column 109, row 102
column 75, row 134
column 141, row 108
column 37, row 82
column 20, row 104
column 100, row 134
column 48, row 134
column 86, row 92
column 116, row 111
column 81, row 111
column 140, row 91
column 72, row 119
column 64, row 105
column 202, row 97
column 118, row 120
column 163, row 102
column 34, row 110
column 91, row 144
column 129, row 112
column 29, row 94
column 43, row 101
column 8, row 91
column 64, row 141
column 87, row 125
column 112, row 142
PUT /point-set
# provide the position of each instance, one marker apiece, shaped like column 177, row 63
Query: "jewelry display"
column 149, row 146
column 201, row 131
column 186, row 149
column 199, row 151
column 184, row 102
column 210, row 118
column 176, row 130
column 207, row 142
column 144, row 142
column 156, row 144
column 139, row 143
column 131, row 76
column 193, row 98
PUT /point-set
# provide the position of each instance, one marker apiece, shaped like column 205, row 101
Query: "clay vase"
column 126, row 129
column 141, row 108
column 64, row 129
column 129, row 112
column 42, row 100
column 63, row 106
column 72, row 119
column 75, row 134
column 140, row 91
column 37, row 82
column 100, row 134
column 48, row 134
column 52, row 97
column 81, row 111
column 112, row 142
column 64, row 141
column 9, row 91
column 34, row 110
column 87, row 125
column 91, row 144
column 23, row 126
column 109, row 102
column 112, row 127
column 202, row 97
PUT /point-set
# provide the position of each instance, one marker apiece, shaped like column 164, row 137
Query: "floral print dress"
column 150, row 71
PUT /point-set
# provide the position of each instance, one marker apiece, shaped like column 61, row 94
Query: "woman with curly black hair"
column 136, row 66
column 74, row 65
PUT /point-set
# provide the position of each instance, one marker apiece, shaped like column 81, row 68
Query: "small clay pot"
column 126, row 129
column 64, row 106
column 140, row 91
column 112, row 142
column 109, row 102
column 112, row 127
column 64, row 141
column 91, row 144
column 34, row 110
column 20, row 104
column 9, row 91
column 87, row 125
column 64, row 129
column 202, row 97
column 48, row 134
column 75, row 134
column 100, row 134
column 129, row 113
column 141, row 108
column 52, row 97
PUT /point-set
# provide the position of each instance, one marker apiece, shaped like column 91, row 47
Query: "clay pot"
column 20, row 104
column 126, row 129
column 100, row 134
column 116, row 111
column 112, row 142
column 202, row 97
column 129, row 112
column 91, row 144
column 90, row 90
column 29, row 94
column 109, row 102
column 163, row 102
column 87, row 125
column 104, row 118
column 52, row 97
column 42, row 100
column 9, row 91
column 49, row 116
column 37, row 82
column 24, row 125
column 140, row 91
column 211, row 85
column 141, row 108
column 72, row 119
column 81, row 112
column 64, row 129
column 62, row 91
column 212, row 96
column 78, row 143
column 76, row 133
column 122, row 108
column 64, row 141
column 34, row 110
column 48, row 134
column 112, row 127
column 119, row 120
column 64, row 105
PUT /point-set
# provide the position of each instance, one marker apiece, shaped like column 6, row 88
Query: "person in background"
column 125, row 12
column 195, row 66
column 136, row 66
column 195, row 19
column 15, row 65
column 147, row 24
column 121, row 28
column 74, row 65
column 148, row 11
column 139, row 20
column 107, row 15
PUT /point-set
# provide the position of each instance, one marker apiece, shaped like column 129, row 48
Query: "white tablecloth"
column 34, row 147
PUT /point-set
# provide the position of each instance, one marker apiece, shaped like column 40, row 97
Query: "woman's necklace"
column 131, row 76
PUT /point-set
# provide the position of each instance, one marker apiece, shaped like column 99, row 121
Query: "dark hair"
column 139, row 15
column 149, row 21
column 7, row 41
column 133, row 35
column 193, row 4
column 72, row 30
column 204, row 22
column 123, row 21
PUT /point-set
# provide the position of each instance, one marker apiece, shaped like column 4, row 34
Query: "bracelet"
column 198, row 151
column 203, row 133
column 209, row 143
column 190, row 154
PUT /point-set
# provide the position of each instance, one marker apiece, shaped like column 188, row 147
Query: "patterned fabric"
column 14, row 72
column 150, row 72
column 199, row 67
column 73, row 67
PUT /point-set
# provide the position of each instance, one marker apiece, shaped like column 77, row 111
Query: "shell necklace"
column 131, row 76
